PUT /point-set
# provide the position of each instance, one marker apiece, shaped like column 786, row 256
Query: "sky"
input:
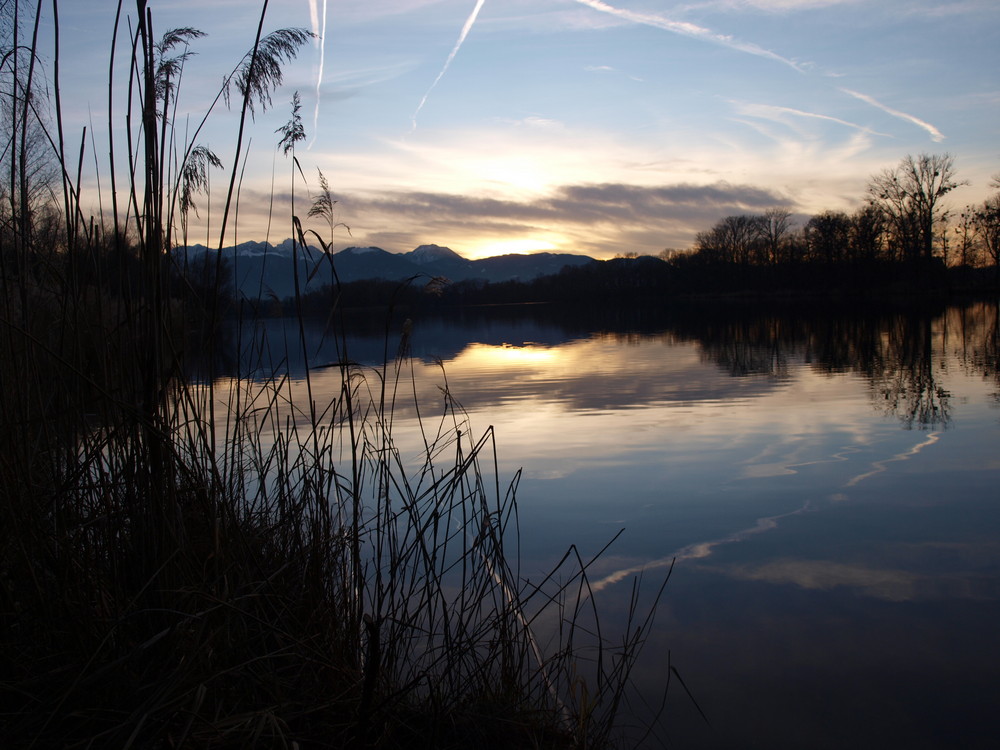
column 584, row 126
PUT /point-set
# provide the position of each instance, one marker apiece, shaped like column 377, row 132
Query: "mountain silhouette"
column 262, row 270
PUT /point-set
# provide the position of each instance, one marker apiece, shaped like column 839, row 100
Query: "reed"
column 209, row 562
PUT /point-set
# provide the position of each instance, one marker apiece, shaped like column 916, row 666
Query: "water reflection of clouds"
column 973, row 580
column 889, row 584
column 585, row 406
column 756, row 468
column 593, row 374
column 766, row 471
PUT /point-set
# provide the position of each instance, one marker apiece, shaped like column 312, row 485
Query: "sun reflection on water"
column 490, row 357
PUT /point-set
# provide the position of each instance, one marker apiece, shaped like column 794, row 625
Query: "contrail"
column 458, row 45
column 771, row 112
column 936, row 135
column 689, row 30
column 319, row 29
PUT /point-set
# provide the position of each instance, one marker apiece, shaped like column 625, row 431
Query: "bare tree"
column 987, row 223
column 828, row 236
column 986, row 220
column 737, row 235
column 868, row 233
column 773, row 229
column 966, row 245
column 910, row 198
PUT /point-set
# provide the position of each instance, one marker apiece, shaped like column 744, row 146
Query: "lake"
column 825, row 483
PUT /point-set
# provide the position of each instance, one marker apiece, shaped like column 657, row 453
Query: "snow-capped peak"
column 431, row 253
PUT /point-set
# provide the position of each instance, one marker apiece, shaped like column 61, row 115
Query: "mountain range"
column 261, row 269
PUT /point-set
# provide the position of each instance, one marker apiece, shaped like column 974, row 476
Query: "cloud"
column 956, row 8
column 596, row 219
column 534, row 121
column 599, row 220
column 687, row 29
column 616, row 201
column 586, row 203
column 935, row 134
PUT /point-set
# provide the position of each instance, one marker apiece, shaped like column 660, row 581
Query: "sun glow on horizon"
column 490, row 248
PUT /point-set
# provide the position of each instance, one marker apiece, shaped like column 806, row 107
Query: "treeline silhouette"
column 654, row 280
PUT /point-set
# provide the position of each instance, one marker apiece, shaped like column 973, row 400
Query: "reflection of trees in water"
column 758, row 347
column 744, row 345
column 977, row 345
column 976, row 339
column 906, row 385
column 849, row 343
column 902, row 354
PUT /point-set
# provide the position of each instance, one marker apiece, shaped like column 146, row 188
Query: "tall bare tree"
column 828, row 236
column 773, row 229
column 732, row 238
column 909, row 196
column 966, row 245
column 868, row 233
column 987, row 224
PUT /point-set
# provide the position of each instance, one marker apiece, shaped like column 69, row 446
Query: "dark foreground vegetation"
column 225, row 562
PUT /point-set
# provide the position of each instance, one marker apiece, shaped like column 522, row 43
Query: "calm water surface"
column 828, row 486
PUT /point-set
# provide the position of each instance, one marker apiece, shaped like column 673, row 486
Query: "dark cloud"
column 603, row 218
column 584, row 203
column 424, row 205
column 638, row 199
